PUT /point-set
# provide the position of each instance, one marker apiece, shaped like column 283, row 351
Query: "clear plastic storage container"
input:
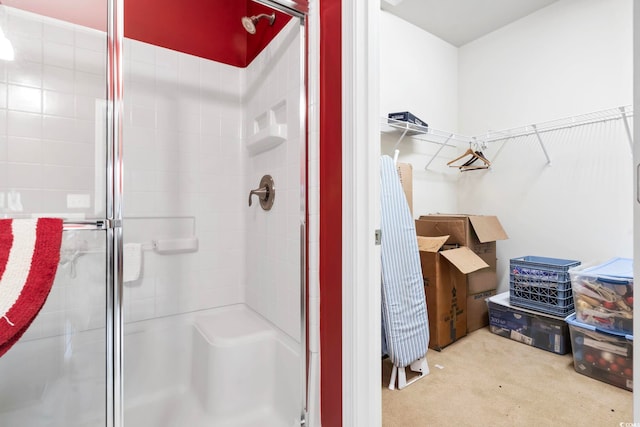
column 605, row 356
column 603, row 294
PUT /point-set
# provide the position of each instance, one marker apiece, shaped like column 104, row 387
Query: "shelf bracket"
column 404, row 133
column 504, row 142
column 535, row 130
column 625, row 120
column 438, row 152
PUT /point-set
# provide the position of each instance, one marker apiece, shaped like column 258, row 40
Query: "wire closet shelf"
column 450, row 139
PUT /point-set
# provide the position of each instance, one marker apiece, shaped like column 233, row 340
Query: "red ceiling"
column 206, row 28
column 209, row 29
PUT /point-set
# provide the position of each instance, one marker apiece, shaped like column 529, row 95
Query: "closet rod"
column 621, row 113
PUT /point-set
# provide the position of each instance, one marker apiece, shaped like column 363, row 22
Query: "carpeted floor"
column 488, row 380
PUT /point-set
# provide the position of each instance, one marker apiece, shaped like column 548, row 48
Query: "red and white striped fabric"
column 29, row 255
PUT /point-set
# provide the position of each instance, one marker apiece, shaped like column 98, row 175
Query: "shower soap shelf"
column 267, row 133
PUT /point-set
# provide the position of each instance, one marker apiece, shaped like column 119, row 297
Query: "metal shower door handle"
column 266, row 193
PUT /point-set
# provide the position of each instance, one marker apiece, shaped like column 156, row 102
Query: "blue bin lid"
column 572, row 320
column 615, row 267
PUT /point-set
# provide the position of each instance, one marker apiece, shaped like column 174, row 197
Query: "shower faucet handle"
column 262, row 193
column 266, row 193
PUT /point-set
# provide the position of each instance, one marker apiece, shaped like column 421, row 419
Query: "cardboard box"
column 444, row 273
column 530, row 327
column 405, row 172
column 477, row 310
column 478, row 233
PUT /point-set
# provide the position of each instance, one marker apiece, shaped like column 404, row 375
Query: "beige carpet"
column 488, row 380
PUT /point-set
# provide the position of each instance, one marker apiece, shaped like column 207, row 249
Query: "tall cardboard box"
column 405, row 172
column 478, row 233
column 477, row 311
column 444, row 272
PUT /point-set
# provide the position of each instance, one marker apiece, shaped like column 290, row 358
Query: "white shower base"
column 241, row 372
column 224, row 367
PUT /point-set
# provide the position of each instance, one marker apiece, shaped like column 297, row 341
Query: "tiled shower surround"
column 187, row 170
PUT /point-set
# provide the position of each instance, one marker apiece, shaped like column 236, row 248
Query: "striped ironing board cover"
column 404, row 311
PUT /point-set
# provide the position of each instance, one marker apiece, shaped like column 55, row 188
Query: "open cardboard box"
column 444, row 272
column 405, row 172
column 479, row 233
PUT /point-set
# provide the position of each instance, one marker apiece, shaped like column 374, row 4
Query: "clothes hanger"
column 472, row 168
column 477, row 155
column 468, row 165
column 465, row 154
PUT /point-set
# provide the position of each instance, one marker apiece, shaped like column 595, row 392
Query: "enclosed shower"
column 146, row 127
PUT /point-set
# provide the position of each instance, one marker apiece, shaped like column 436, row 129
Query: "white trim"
column 313, row 227
column 361, row 382
column 636, row 204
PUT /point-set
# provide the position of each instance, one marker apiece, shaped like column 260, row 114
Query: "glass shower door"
column 213, row 286
column 53, row 164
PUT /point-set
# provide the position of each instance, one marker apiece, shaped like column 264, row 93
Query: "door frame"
column 361, row 296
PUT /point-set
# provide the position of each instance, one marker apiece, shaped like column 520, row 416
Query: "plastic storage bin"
column 405, row 116
column 542, row 284
column 603, row 355
column 530, row 327
column 603, row 294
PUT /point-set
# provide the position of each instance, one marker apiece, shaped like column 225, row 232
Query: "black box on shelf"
column 405, row 116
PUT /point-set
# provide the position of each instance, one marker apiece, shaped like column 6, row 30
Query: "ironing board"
column 404, row 311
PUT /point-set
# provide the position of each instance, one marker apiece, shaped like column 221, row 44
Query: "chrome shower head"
column 249, row 22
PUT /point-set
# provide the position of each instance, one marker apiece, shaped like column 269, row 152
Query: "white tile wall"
column 273, row 286
column 184, row 167
column 185, row 122
column 47, row 112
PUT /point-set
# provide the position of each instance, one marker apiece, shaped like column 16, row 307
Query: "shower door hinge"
column 378, row 235
column 109, row 224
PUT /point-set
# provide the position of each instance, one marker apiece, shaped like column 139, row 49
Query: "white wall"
column 571, row 58
column 274, row 83
column 184, row 175
column 419, row 73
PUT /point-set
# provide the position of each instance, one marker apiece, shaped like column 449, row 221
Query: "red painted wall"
column 331, row 213
column 204, row 28
column 265, row 33
column 210, row 29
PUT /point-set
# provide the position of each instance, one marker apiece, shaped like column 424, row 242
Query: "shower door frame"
column 298, row 9
column 114, row 179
